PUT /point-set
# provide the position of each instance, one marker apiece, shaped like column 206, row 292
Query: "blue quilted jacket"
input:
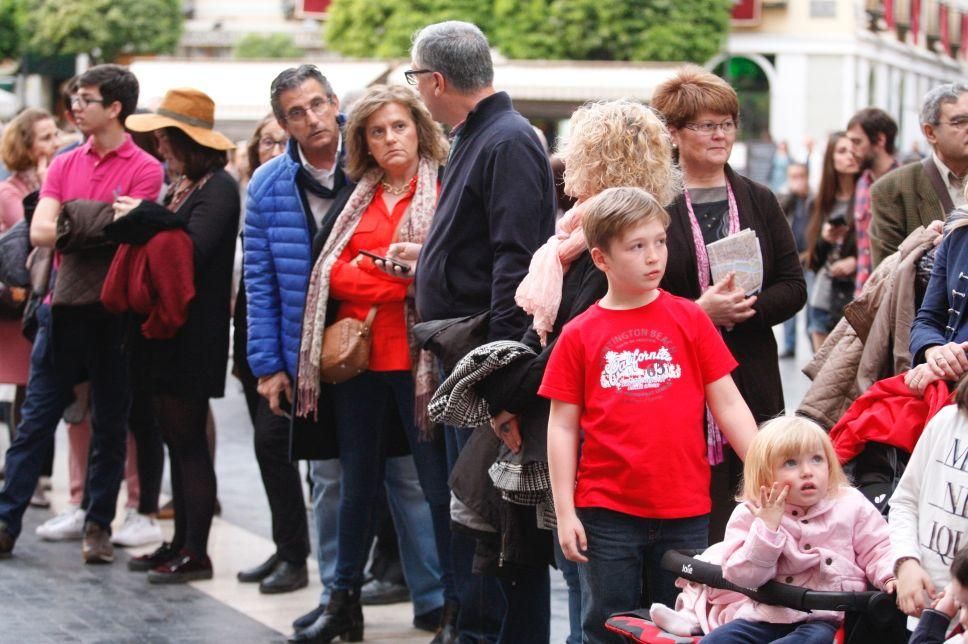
column 277, row 263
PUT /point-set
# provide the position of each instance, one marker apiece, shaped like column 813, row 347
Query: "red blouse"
column 358, row 287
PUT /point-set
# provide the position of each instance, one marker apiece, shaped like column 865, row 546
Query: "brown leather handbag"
column 346, row 349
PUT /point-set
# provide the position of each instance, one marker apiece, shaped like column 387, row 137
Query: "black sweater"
column 496, row 207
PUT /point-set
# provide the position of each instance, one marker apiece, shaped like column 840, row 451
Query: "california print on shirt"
column 640, row 362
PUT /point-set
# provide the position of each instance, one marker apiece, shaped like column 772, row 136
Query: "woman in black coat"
column 186, row 370
column 702, row 112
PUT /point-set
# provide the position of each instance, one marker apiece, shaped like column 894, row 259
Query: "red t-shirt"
column 639, row 376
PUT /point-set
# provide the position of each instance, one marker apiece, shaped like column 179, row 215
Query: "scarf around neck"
column 413, row 227
column 539, row 293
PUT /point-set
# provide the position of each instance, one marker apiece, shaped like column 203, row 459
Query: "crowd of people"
column 531, row 378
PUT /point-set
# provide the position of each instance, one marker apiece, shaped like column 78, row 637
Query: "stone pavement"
column 48, row 595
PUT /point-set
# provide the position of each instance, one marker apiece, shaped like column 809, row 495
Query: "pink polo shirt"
column 82, row 174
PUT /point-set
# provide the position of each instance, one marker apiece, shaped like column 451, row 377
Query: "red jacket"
column 155, row 279
column 887, row 413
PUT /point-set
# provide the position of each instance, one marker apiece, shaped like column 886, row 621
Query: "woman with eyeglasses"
column 702, row 114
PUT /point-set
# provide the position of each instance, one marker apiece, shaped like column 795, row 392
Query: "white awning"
column 240, row 89
column 569, row 81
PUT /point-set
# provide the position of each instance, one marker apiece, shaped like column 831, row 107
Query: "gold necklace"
column 397, row 191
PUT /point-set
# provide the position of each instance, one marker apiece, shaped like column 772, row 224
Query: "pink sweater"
column 837, row 545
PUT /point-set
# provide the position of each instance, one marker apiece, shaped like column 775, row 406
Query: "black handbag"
column 14, row 249
column 451, row 339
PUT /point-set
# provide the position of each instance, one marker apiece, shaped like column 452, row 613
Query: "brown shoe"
column 97, row 548
column 166, row 512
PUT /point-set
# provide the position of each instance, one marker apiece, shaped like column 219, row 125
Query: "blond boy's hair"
column 780, row 439
column 613, row 211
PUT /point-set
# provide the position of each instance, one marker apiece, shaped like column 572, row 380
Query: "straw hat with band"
column 189, row 110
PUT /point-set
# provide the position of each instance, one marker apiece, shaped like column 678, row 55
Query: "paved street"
column 48, row 595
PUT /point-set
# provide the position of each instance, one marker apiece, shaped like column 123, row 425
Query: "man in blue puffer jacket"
column 287, row 199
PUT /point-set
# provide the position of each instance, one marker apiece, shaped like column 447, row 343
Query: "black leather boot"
column 343, row 618
column 448, row 633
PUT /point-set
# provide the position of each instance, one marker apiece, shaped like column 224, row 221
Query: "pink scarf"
column 539, row 293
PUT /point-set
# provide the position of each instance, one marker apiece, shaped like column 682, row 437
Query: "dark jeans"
column 482, row 604
column 90, row 345
column 527, row 597
column 361, row 405
column 742, row 631
column 280, row 477
column 619, row 546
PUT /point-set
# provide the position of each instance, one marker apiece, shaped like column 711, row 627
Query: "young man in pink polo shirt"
column 74, row 343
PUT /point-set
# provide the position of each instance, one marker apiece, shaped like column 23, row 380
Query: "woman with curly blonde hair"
column 611, row 144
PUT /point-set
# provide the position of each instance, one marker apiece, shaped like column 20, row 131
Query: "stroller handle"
column 877, row 605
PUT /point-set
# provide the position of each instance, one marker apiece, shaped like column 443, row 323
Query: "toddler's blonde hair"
column 780, row 439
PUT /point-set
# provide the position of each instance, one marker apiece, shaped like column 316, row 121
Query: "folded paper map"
column 739, row 253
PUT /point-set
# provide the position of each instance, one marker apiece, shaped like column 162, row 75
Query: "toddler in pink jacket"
column 800, row 523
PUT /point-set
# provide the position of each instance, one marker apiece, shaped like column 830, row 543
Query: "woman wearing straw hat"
column 188, row 369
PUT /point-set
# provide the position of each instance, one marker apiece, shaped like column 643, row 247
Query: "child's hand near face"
column 772, row 505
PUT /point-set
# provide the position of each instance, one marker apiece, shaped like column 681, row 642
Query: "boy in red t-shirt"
column 629, row 381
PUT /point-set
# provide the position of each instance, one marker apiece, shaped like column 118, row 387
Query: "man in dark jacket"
column 496, row 206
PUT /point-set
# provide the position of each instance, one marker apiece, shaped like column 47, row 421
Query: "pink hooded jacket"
column 837, row 545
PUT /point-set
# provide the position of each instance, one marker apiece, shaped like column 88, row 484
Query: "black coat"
column 193, row 362
column 784, row 290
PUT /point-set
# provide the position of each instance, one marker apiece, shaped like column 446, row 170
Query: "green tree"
column 634, row 30
column 383, row 28
column 11, row 28
column 266, row 46
column 104, row 29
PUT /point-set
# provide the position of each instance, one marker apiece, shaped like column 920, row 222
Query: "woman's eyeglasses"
column 269, row 143
column 727, row 127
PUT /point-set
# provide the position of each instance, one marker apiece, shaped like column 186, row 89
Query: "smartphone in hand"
column 404, row 268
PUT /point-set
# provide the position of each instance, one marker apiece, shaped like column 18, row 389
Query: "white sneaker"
column 137, row 530
column 66, row 526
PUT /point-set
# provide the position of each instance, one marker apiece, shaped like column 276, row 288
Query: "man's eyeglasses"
column 318, row 106
column 727, row 127
column 958, row 122
column 411, row 75
column 81, row 101
column 269, row 143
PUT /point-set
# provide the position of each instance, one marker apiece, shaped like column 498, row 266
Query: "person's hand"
column 505, row 426
column 914, row 588
column 918, row 379
column 404, row 252
column 270, row 388
column 123, row 205
column 945, row 602
column 833, row 234
column 948, row 360
column 937, row 227
column 843, row 267
column 771, row 505
column 726, row 304
column 571, row 537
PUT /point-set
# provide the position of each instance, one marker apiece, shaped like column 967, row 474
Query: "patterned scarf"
column 539, row 294
column 181, row 189
column 413, row 228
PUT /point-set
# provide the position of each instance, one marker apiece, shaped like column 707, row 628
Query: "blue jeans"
column 527, row 597
column 83, row 348
column 360, row 406
column 619, row 546
column 569, row 570
column 482, row 604
column 325, row 476
column 743, row 631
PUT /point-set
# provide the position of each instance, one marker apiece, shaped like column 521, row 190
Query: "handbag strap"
column 931, row 169
column 368, row 322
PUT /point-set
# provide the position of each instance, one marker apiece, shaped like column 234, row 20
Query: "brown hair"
column 613, row 211
column 252, row 149
column 430, row 138
column 691, row 91
column 823, row 203
column 18, row 138
column 197, row 159
column 874, row 121
column 959, row 567
column 961, row 393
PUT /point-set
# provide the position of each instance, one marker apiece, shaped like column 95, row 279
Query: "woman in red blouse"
column 393, row 151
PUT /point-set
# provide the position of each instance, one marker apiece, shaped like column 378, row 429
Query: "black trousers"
column 280, row 477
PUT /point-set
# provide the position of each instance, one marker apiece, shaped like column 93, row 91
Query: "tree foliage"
column 104, row 29
column 11, row 28
column 266, row 46
column 383, row 28
column 635, row 30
